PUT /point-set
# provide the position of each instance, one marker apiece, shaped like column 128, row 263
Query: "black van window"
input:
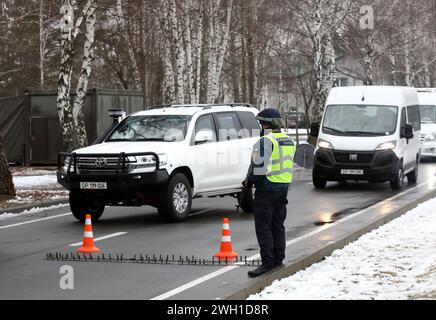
column 250, row 125
column 414, row 117
column 403, row 118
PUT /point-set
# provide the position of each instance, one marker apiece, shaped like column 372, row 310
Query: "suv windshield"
column 428, row 114
column 167, row 128
column 360, row 120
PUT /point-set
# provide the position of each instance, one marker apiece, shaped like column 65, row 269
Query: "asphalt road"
column 24, row 240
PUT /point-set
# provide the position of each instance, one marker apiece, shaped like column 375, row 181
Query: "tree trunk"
column 41, row 44
column 65, row 73
column 85, row 74
column 132, row 57
column 6, row 182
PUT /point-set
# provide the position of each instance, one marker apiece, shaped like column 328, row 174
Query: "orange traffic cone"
column 226, row 252
column 88, row 238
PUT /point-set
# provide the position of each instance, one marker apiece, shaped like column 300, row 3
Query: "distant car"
column 164, row 158
column 427, row 107
column 293, row 120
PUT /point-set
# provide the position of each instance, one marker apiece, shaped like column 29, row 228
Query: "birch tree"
column 124, row 33
column 85, row 74
column 322, row 19
column 70, row 29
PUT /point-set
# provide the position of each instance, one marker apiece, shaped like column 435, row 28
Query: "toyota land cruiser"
column 163, row 158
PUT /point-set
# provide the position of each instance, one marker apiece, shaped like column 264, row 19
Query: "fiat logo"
column 353, row 157
column 100, row 162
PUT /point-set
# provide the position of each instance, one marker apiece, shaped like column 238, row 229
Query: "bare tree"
column 6, row 182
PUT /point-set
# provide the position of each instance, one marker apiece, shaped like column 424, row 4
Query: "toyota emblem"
column 100, row 162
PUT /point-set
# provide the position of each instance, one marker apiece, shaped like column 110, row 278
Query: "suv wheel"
column 176, row 201
column 81, row 207
column 398, row 182
column 246, row 200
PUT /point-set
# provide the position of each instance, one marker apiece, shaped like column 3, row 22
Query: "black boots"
column 263, row 269
column 259, row 271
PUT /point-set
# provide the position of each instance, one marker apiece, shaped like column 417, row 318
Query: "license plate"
column 352, row 172
column 93, row 185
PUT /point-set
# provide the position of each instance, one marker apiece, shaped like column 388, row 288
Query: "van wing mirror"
column 407, row 132
column 314, row 129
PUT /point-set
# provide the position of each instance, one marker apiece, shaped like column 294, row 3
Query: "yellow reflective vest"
column 280, row 165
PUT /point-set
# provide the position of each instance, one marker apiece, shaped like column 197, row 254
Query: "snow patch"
column 394, row 262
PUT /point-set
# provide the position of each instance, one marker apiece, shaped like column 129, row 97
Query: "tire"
column 397, row 183
column 412, row 177
column 176, row 201
column 247, row 203
column 319, row 182
column 80, row 207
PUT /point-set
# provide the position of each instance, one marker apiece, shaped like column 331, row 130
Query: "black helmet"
column 272, row 117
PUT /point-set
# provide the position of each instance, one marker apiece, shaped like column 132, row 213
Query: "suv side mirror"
column 314, row 129
column 407, row 132
column 204, row 136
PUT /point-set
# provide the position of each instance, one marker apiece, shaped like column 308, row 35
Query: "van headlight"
column 324, row 144
column 430, row 137
column 387, row 145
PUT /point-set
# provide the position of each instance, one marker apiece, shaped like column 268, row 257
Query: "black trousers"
column 269, row 218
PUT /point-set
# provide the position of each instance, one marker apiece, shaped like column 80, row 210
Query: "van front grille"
column 353, row 157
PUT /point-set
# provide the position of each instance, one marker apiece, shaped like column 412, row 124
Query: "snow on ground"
column 36, row 182
column 33, row 186
column 31, row 211
column 394, row 262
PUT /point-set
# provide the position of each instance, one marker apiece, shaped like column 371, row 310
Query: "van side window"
column 250, row 125
column 414, row 117
column 205, row 123
column 228, row 126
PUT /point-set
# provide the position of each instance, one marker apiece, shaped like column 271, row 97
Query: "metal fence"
column 30, row 128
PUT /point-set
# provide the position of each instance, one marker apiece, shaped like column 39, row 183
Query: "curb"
column 319, row 255
column 41, row 204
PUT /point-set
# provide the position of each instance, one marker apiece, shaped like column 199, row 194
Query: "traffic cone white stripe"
column 88, row 234
column 88, row 221
column 226, row 226
column 226, row 239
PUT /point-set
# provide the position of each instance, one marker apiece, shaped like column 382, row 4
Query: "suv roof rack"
column 210, row 105
column 426, row 89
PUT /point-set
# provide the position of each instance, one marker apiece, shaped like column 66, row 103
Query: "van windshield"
column 428, row 114
column 151, row 128
column 360, row 120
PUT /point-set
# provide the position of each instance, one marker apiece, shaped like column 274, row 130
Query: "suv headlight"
column 430, row 137
column 66, row 164
column 387, row 146
column 150, row 161
column 324, row 144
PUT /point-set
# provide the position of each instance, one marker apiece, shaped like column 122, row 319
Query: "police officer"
column 271, row 173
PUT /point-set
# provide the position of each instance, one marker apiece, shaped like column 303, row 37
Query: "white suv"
column 164, row 158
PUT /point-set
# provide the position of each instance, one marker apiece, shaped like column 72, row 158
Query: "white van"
column 370, row 134
column 427, row 107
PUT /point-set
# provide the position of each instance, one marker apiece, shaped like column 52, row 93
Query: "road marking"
column 288, row 243
column 33, row 221
column 100, row 238
column 194, row 283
